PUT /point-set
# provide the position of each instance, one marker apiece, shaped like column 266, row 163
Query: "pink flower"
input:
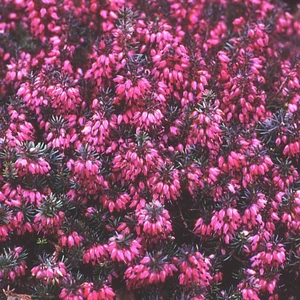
column 223, row 224
column 71, row 240
column 165, row 183
column 151, row 270
column 123, row 249
column 11, row 271
column 194, row 268
column 95, row 254
column 50, row 273
column 90, row 292
column 153, row 221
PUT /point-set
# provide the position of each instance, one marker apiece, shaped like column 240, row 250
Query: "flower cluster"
column 50, row 273
column 122, row 249
column 194, row 268
column 153, row 221
column 152, row 269
column 12, row 263
column 150, row 149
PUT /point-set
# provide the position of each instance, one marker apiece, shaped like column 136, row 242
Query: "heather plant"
column 149, row 149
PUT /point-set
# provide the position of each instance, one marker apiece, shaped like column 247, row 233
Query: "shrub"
column 149, row 149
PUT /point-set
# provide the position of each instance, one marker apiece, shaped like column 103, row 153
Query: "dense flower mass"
column 149, row 149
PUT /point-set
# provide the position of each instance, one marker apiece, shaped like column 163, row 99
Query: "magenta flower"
column 90, row 292
column 123, row 249
column 149, row 149
column 95, row 254
column 13, row 264
column 153, row 221
column 150, row 270
column 49, row 272
column 194, row 269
